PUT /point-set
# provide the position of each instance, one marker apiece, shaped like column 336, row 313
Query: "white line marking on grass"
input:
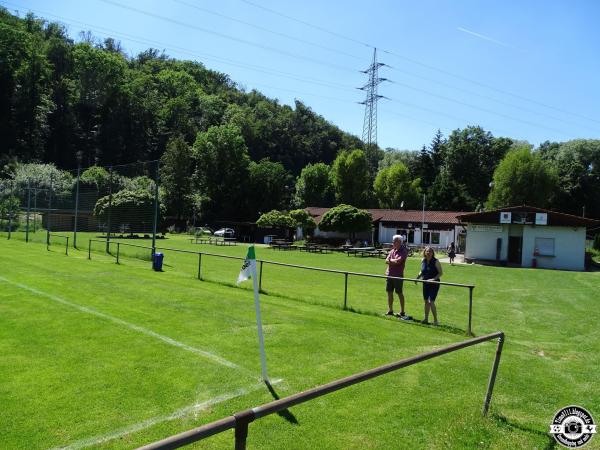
column 185, row 411
column 129, row 325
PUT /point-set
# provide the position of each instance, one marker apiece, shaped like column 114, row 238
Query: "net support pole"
column 110, row 182
column 76, row 205
column 49, row 217
column 260, row 277
column 28, row 210
column 10, row 206
column 35, row 193
column 155, row 221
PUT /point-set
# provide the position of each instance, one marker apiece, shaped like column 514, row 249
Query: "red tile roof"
column 398, row 215
column 554, row 218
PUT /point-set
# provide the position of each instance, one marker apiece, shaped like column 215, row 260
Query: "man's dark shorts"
column 393, row 285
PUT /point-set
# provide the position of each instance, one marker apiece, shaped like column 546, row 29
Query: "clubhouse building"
column 526, row 236
column 435, row 228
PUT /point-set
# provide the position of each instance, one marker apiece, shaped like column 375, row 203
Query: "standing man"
column 396, row 261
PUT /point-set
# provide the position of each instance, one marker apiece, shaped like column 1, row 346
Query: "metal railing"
column 241, row 420
column 49, row 237
column 318, row 269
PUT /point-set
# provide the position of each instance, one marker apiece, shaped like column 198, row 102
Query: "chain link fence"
column 39, row 203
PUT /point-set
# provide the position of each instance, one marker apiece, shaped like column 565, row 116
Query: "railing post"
column 242, row 420
column 67, row 247
column 28, row 209
column 490, row 388
column 469, row 330
column 345, row 290
column 260, row 278
column 118, row 251
column 199, row 266
column 90, row 249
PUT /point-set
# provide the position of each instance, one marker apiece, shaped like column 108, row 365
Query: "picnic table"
column 358, row 250
column 315, row 248
column 281, row 244
column 226, row 241
column 213, row 240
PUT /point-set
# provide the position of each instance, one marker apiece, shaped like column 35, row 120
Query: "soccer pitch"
column 101, row 355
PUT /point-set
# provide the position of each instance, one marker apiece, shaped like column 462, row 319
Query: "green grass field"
column 100, row 355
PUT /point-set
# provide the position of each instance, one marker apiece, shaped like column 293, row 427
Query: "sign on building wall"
column 486, row 228
column 541, row 219
column 505, row 217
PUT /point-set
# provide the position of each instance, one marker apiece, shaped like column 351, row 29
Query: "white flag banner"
column 249, row 266
column 249, row 271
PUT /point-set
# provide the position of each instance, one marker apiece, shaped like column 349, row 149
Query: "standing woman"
column 431, row 269
column 451, row 253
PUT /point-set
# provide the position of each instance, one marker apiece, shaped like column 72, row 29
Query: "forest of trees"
column 227, row 153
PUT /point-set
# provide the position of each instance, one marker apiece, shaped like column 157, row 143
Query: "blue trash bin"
column 157, row 262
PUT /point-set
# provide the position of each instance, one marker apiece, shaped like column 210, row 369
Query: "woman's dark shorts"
column 430, row 291
column 393, row 285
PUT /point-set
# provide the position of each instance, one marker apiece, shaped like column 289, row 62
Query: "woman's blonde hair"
column 425, row 251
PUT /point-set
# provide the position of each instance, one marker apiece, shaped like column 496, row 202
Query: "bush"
column 346, row 219
column 596, row 245
column 275, row 219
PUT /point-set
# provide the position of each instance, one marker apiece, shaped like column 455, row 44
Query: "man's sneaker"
column 403, row 316
column 424, row 322
column 389, row 313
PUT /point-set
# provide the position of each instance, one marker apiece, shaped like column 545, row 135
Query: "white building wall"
column 446, row 236
column 569, row 247
column 481, row 241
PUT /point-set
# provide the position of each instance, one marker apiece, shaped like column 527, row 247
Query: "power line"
column 309, row 80
column 225, row 36
column 316, row 27
column 177, row 22
column 487, row 86
column 419, row 63
column 354, row 56
column 486, row 97
column 266, row 30
column 203, row 56
column 489, row 111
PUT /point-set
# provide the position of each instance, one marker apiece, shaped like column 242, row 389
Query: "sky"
column 524, row 69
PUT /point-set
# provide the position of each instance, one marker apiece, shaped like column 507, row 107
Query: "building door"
column 462, row 243
column 515, row 244
column 426, row 239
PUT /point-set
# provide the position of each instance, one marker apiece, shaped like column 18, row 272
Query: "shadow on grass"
column 505, row 422
column 286, row 414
